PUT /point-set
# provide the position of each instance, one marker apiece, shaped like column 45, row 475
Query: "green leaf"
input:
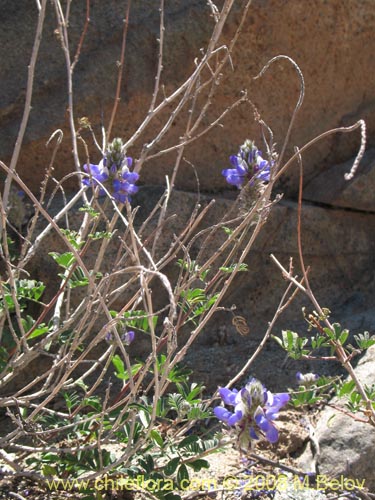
column 337, row 330
column 197, row 413
column 140, row 320
column 319, row 341
column 291, row 339
column 64, row 260
column 278, row 340
column 188, row 441
column 133, row 370
column 48, row 470
column 39, row 330
column 195, row 390
column 199, row 464
column 147, row 462
column 364, row 341
column 179, row 374
column 99, row 235
column 346, row 388
column 78, row 278
column 50, row 457
column 241, row 268
column 343, row 337
column 119, row 366
column 156, row 437
column 144, row 417
column 182, row 474
column 90, row 210
column 73, row 237
column 30, row 289
column 171, row 466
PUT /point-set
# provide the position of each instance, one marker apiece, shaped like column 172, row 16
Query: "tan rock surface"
column 331, row 41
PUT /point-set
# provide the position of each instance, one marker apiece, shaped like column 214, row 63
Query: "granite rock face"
column 347, row 446
column 332, row 189
column 331, row 41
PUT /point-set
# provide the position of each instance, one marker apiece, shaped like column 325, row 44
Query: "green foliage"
column 353, row 399
column 28, row 323
column 293, row 344
column 175, row 374
column 314, row 393
column 90, row 210
column 26, row 291
column 138, row 319
column 196, row 302
column 227, row 230
column 193, row 269
column 336, row 334
column 77, row 278
column 162, row 457
column 325, row 337
column 64, row 260
column 73, row 238
column 120, row 370
column 364, row 340
column 100, row 235
column 241, row 268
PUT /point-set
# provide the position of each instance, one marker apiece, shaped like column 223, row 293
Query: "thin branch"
column 299, row 102
column 27, row 107
column 360, row 154
column 160, row 58
column 120, row 71
column 83, row 35
column 345, row 130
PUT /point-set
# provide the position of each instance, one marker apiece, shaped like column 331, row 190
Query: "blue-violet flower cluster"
column 255, row 410
column 307, row 379
column 249, row 166
column 126, row 338
column 113, row 172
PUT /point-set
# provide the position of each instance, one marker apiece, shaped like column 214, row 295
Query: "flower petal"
column 128, row 337
column 253, row 434
column 228, row 396
column 222, row 413
column 235, row 417
column 131, row 177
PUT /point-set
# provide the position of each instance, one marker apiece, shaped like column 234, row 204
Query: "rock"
column 347, row 447
column 332, row 189
column 324, row 39
column 294, row 490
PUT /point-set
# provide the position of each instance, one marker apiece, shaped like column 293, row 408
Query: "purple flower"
column 236, row 176
column 109, row 337
column 248, row 166
column 123, row 189
column 113, row 172
column 306, row 379
column 126, row 338
column 228, row 396
column 228, row 417
column 98, row 174
column 255, row 410
column 262, row 168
